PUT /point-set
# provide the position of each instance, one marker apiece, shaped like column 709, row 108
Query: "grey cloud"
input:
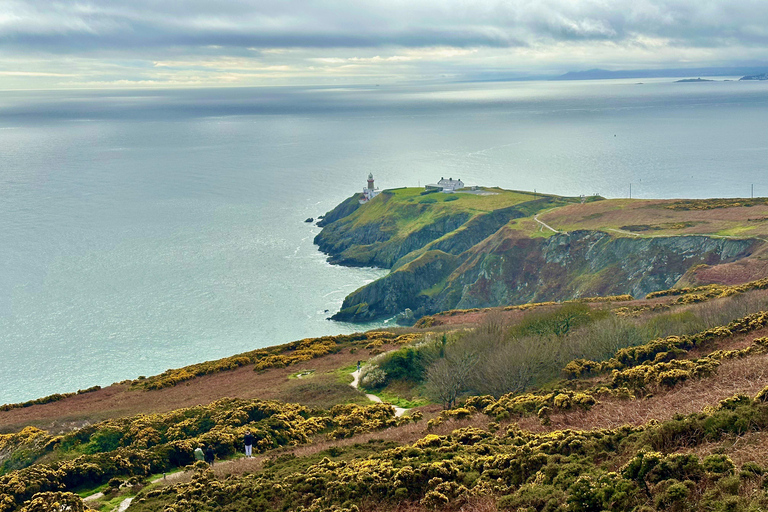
column 69, row 25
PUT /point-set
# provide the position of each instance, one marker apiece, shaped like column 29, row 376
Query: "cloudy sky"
column 152, row 43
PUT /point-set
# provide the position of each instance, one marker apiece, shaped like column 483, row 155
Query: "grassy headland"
column 497, row 247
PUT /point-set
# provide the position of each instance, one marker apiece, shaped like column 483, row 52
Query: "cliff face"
column 403, row 288
column 470, row 251
column 509, row 269
column 344, row 209
column 579, row 264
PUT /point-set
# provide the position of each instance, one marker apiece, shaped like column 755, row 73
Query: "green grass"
column 531, row 228
column 84, row 493
column 737, row 231
column 113, row 503
column 399, row 401
column 435, row 288
column 345, row 374
column 406, row 207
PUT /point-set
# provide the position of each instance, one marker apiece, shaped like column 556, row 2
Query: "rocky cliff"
column 463, row 259
column 509, row 269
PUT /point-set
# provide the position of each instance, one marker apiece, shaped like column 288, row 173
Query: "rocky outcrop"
column 451, row 257
column 401, row 289
column 468, row 235
column 344, row 209
column 378, row 242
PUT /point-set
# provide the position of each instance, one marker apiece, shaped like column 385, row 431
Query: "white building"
column 445, row 185
column 370, row 191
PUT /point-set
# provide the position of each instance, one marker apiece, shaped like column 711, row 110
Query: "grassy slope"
column 403, row 205
column 402, row 213
column 746, row 375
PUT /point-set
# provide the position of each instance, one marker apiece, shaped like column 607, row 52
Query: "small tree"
column 449, row 376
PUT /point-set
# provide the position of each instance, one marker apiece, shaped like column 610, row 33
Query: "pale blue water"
column 143, row 230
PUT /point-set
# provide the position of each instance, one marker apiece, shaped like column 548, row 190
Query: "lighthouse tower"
column 370, row 191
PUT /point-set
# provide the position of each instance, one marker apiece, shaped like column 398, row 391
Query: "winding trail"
column 536, row 218
column 399, row 411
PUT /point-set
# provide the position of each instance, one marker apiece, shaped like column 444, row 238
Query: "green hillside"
column 601, row 404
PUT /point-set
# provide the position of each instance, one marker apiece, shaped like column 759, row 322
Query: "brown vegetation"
column 746, row 376
column 120, row 400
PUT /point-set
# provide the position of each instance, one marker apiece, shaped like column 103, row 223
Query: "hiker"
column 358, row 366
column 199, row 455
column 209, row 455
column 248, row 439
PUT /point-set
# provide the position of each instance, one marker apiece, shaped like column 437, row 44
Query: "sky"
column 201, row 43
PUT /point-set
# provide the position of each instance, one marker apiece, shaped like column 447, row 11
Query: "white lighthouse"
column 370, row 191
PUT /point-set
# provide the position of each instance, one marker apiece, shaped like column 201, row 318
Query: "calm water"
column 144, row 230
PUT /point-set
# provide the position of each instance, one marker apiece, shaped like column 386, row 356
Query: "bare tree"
column 514, row 365
column 449, row 376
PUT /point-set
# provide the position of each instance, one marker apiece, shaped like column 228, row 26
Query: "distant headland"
column 468, row 247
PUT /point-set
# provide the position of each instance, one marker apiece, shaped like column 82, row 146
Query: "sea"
column 142, row 230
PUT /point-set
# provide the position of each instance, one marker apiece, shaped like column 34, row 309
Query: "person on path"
column 199, row 455
column 358, row 366
column 248, row 441
column 209, row 455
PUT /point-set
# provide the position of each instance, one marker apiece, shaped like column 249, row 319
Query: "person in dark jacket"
column 209, row 455
column 248, row 441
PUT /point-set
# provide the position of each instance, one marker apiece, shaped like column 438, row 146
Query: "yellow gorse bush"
column 275, row 357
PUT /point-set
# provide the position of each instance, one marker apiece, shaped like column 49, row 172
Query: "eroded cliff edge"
column 457, row 257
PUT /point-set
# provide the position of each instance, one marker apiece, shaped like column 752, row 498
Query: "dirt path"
column 399, row 411
column 544, row 224
column 124, row 505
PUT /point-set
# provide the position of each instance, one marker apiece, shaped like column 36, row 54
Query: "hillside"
column 466, row 250
column 603, row 404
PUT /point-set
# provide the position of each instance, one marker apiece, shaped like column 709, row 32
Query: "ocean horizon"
column 150, row 229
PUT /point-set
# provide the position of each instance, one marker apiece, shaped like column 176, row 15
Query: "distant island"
column 603, row 74
column 686, row 80
column 490, row 247
column 763, row 76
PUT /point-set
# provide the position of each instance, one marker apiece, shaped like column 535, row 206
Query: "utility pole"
column 753, row 191
column 630, row 191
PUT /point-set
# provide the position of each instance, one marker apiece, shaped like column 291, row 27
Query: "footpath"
column 399, row 411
